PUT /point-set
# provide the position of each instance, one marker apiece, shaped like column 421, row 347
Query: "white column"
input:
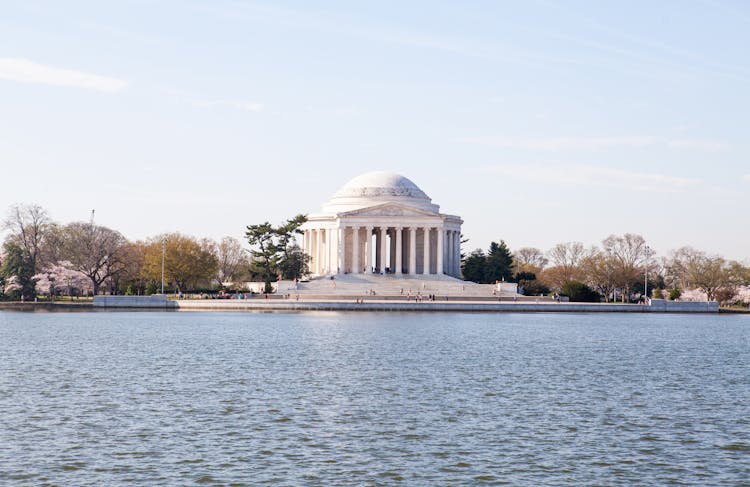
column 440, row 237
column 383, row 248
column 318, row 251
column 340, row 248
column 356, row 268
column 449, row 254
column 426, row 252
column 327, row 251
column 311, row 251
column 412, row 251
column 457, row 252
column 399, row 257
column 368, row 250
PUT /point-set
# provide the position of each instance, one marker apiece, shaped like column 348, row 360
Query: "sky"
column 537, row 122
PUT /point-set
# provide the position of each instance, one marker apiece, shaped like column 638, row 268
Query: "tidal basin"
column 335, row 398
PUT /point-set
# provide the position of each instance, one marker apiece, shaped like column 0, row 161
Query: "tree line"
column 617, row 270
column 41, row 256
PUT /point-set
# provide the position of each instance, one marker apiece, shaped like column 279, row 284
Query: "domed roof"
column 377, row 187
column 380, row 183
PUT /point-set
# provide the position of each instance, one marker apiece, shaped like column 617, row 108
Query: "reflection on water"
column 370, row 399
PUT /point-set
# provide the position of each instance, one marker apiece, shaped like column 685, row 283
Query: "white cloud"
column 746, row 177
column 26, row 71
column 595, row 143
column 587, row 175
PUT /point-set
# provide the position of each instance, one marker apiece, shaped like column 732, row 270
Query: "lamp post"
column 645, row 274
column 163, row 253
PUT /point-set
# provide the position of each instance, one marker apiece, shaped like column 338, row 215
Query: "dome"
column 380, row 183
column 377, row 187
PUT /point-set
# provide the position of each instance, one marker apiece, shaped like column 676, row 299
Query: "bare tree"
column 599, row 271
column 28, row 224
column 529, row 259
column 93, row 250
column 678, row 264
column 566, row 256
column 231, row 256
column 632, row 257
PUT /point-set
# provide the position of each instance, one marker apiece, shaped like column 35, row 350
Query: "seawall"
column 259, row 304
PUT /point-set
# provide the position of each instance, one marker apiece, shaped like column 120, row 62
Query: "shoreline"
column 117, row 303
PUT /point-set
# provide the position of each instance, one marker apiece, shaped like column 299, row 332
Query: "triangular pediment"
column 388, row 209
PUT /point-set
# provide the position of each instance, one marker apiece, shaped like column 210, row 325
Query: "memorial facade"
column 381, row 222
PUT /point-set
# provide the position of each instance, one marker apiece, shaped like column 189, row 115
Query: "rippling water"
column 370, row 399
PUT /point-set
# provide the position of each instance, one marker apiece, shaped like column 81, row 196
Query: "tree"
column 566, row 257
column 529, row 259
column 264, row 251
column 132, row 277
column 599, row 272
column 631, row 257
column 186, row 261
column 555, row 277
column 688, row 268
column 61, row 278
column 498, row 263
column 709, row 274
column 677, row 266
column 529, row 285
column 271, row 246
column 230, row 256
column 473, row 267
column 580, row 292
column 27, row 225
column 17, row 272
column 294, row 262
column 93, row 250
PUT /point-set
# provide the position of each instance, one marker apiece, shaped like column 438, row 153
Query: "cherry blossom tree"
column 61, row 278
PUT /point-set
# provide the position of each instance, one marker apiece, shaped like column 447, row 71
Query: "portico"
column 382, row 223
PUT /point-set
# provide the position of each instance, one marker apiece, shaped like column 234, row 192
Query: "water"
column 183, row 398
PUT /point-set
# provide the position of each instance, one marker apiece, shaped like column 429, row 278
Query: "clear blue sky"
column 537, row 122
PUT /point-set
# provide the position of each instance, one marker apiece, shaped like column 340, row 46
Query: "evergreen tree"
column 273, row 249
column 18, row 269
column 580, row 292
column 499, row 263
column 474, row 266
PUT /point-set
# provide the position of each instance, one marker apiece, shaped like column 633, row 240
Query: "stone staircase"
column 375, row 286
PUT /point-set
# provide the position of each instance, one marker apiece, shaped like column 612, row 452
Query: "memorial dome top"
column 377, row 187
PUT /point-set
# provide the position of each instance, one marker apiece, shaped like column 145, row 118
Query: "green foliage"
column 496, row 265
column 529, row 285
column 499, row 263
column 533, row 288
column 674, row 294
column 474, row 265
column 524, row 276
column 580, row 292
column 152, row 288
column 657, row 293
column 294, row 263
column 18, row 266
column 273, row 252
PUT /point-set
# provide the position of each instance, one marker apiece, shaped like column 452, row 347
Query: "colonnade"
column 413, row 249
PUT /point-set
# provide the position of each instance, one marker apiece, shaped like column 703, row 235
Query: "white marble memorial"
column 381, row 222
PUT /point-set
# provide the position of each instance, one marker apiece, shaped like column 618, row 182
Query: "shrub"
column 674, row 294
column 580, row 292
